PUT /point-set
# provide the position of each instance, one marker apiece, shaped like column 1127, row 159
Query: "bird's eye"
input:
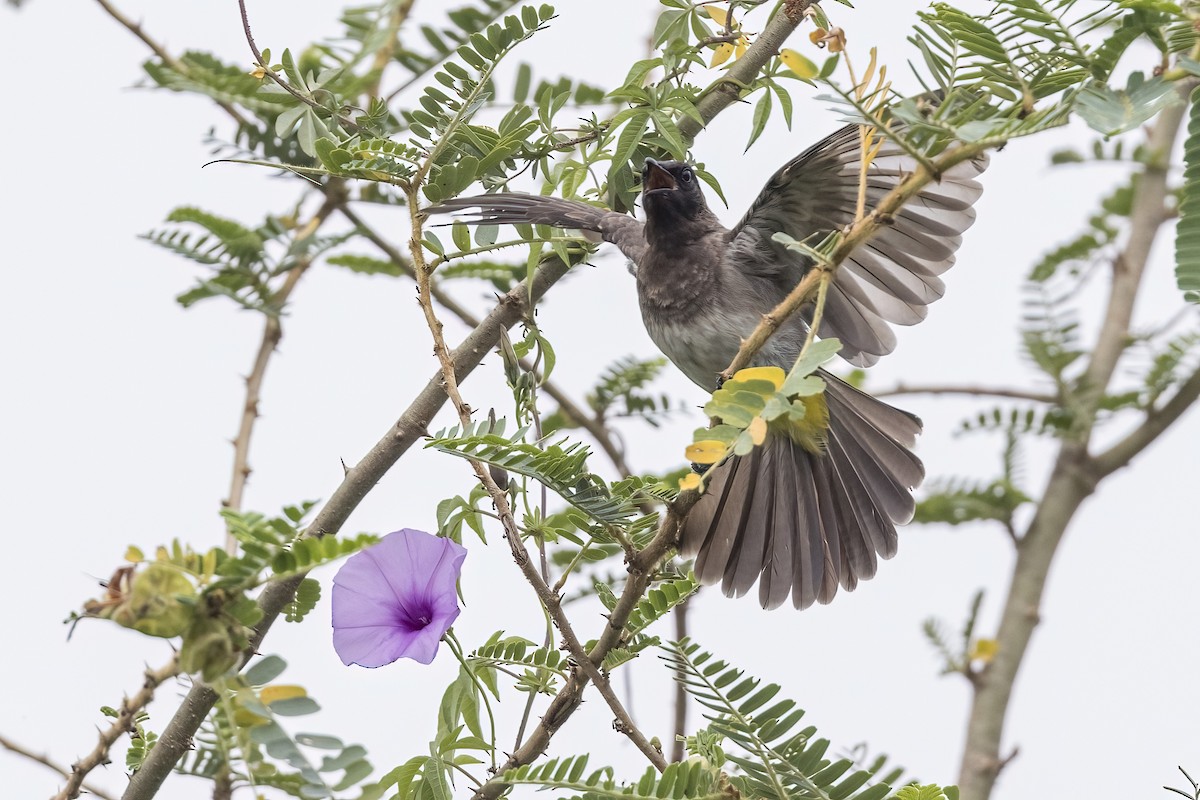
column 686, row 176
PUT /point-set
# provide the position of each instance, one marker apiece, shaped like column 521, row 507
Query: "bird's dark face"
column 670, row 189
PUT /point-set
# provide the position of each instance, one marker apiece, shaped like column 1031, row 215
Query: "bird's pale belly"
column 704, row 344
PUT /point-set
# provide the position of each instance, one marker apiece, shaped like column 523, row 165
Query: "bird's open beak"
column 655, row 177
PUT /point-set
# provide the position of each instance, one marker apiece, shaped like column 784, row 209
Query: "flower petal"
column 396, row 599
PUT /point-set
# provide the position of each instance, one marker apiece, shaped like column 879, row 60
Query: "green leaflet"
column 1187, row 236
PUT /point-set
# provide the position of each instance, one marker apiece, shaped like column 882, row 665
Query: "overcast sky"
column 119, row 407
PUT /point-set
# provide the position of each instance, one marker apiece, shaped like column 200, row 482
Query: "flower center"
column 416, row 616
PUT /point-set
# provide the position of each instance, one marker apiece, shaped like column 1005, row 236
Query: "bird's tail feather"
column 801, row 524
column 514, row 208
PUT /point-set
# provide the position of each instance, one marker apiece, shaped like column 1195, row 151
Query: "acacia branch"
column 274, row 76
column 970, row 391
column 641, row 569
column 1074, row 476
column 164, row 55
column 130, row 708
column 271, row 336
column 13, row 747
column 499, row 497
column 728, row 88
column 1156, row 423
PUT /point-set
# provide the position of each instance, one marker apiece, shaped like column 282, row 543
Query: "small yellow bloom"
column 983, row 650
column 259, row 72
column 689, row 482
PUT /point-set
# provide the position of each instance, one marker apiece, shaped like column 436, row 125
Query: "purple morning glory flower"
column 396, row 599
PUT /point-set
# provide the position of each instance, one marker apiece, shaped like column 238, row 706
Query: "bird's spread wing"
column 512, row 208
column 890, row 278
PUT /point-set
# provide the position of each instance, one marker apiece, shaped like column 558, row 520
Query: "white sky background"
column 118, row 408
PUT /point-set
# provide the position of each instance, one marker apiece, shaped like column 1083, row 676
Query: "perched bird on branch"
column 801, row 514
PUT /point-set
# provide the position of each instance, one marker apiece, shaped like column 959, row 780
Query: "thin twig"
column 13, row 747
column 1156, row 423
column 136, row 29
column 130, row 707
column 570, row 695
column 681, row 696
column 499, row 496
column 274, row 76
column 271, row 336
column 973, row 391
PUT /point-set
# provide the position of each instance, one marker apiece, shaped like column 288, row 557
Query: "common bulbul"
column 799, row 514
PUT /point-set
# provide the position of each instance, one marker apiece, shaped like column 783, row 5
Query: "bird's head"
column 671, row 191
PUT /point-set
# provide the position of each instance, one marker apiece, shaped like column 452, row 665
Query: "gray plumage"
column 799, row 523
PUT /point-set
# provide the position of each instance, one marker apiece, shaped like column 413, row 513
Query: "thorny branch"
column 13, row 747
column 500, row 499
column 271, row 336
column 970, row 391
column 576, row 413
column 130, row 707
column 274, row 76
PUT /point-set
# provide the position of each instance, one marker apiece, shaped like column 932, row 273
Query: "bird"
column 800, row 516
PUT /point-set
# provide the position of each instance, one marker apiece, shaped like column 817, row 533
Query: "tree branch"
column 679, row 729
column 972, row 391
column 1073, row 478
column 163, row 55
column 641, row 569
column 1156, row 423
column 13, row 747
column 348, row 124
column 130, row 707
column 727, row 89
column 271, row 336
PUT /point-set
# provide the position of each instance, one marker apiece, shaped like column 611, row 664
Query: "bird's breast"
column 700, row 323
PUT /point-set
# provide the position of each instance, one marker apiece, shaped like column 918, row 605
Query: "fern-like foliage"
column 657, row 603
column 244, row 743
column 446, row 149
column 777, row 759
column 956, row 655
column 560, row 466
column 681, row 780
column 1187, row 236
column 247, row 265
column 957, row 501
column 621, row 390
column 543, row 668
